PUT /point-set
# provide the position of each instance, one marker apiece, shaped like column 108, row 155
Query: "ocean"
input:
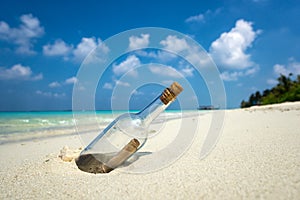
column 15, row 126
column 18, row 126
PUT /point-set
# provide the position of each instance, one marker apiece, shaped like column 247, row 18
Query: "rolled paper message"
column 91, row 162
column 122, row 156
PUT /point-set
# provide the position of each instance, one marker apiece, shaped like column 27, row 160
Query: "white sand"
column 257, row 156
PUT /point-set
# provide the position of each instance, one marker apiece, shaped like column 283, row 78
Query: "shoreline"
column 61, row 130
column 256, row 156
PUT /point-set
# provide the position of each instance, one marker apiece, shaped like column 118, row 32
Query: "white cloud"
column 136, row 42
column 187, row 71
column 251, row 71
column 68, row 81
column 164, row 71
column 230, row 47
column 160, row 56
column 169, row 71
column 47, row 94
column 195, row 18
column 78, row 53
column 173, row 43
column 80, row 87
column 121, row 83
column 230, row 76
column 85, row 47
column 234, row 75
column 59, row 48
column 165, row 56
column 127, row 66
column 31, row 26
column 59, row 95
column 272, row 81
column 137, row 93
column 280, row 69
column 25, row 50
column 107, row 86
column 4, row 30
column 229, row 50
column 71, row 80
column 192, row 53
column 37, row 77
column 18, row 72
column 144, row 53
column 202, row 17
column 54, row 84
column 292, row 67
column 24, row 35
column 50, row 94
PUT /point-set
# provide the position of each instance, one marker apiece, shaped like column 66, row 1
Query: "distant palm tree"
column 285, row 90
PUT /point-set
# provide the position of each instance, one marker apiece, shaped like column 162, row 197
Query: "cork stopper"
column 176, row 88
column 170, row 94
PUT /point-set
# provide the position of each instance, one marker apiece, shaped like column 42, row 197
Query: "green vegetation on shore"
column 286, row 90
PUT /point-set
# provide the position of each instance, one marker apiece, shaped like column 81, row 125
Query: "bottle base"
column 105, row 163
column 94, row 163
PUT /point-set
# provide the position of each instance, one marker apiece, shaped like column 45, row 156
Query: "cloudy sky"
column 43, row 43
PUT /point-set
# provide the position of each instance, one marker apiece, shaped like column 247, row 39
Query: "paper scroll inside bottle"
column 91, row 162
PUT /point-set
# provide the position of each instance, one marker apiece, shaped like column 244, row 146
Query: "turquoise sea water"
column 30, row 125
column 26, row 125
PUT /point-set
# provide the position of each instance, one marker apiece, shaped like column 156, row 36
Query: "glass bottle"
column 124, row 136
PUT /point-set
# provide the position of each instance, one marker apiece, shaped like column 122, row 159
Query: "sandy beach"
column 256, row 157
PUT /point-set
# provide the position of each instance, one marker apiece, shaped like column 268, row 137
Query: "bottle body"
column 123, row 137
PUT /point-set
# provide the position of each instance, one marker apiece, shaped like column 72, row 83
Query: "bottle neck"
column 157, row 106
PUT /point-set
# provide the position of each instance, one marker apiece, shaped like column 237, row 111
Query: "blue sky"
column 42, row 45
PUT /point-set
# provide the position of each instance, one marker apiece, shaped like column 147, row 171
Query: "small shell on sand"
column 67, row 154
